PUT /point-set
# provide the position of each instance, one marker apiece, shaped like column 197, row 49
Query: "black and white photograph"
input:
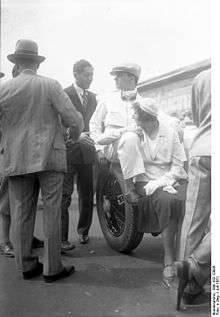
column 105, row 158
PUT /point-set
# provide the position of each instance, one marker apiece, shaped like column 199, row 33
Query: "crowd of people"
column 51, row 136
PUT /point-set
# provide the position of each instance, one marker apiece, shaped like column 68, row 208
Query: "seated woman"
column 163, row 158
column 152, row 166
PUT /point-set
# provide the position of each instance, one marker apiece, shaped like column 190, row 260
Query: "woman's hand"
column 151, row 187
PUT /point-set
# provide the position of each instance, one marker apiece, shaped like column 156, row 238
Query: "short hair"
column 26, row 62
column 79, row 66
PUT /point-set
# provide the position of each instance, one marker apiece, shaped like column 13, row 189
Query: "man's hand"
column 71, row 134
column 85, row 139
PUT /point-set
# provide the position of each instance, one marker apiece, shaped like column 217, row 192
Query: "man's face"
column 84, row 79
column 125, row 81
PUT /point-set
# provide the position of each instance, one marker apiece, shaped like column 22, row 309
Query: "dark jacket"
column 82, row 154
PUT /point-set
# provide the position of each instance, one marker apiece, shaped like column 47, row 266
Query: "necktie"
column 84, row 100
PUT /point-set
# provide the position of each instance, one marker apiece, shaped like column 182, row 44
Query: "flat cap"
column 130, row 68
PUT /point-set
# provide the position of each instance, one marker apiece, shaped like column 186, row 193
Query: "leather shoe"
column 7, row 250
column 67, row 271
column 182, row 271
column 34, row 272
column 67, row 246
column 191, row 299
column 37, row 243
column 83, row 238
column 132, row 197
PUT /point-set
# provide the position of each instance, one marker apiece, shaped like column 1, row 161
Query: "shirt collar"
column 79, row 90
column 28, row 71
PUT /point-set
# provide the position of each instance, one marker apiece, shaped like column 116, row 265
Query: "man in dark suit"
column 81, row 156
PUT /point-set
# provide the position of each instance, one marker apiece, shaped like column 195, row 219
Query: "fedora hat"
column 26, row 49
column 130, row 68
column 2, row 74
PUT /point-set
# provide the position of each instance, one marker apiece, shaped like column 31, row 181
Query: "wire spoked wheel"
column 113, row 206
column 118, row 218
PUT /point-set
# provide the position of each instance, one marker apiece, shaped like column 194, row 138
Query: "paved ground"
column 106, row 283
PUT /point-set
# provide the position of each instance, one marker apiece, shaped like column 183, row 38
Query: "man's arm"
column 96, row 125
column 63, row 105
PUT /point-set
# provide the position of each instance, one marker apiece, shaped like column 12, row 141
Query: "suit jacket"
column 201, row 109
column 31, row 110
column 81, row 153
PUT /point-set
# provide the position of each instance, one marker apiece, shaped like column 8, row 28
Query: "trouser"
column 195, row 239
column 84, row 173
column 4, row 197
column 127, row 151
column 5, row 210
column 23, row 196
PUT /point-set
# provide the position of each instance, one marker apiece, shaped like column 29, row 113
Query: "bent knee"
column 129, row 138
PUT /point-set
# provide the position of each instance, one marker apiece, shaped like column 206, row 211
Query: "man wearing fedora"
column 114, row 116
column 7, row 247
column 33, row 151
column 81, row 156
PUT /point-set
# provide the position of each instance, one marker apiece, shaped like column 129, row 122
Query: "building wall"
column 174, row 93
column 172, row 97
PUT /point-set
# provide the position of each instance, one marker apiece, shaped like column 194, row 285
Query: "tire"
column 118, row 219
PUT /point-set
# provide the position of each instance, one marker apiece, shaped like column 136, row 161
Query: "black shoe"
column 36, row 243
column 67, row 246
column 7, row 250
column 183, row 275
column 34, row 272
column 83, row 238
column 67, row 271
column 193, row 299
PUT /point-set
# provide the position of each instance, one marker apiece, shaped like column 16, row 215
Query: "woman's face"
column 137, row 119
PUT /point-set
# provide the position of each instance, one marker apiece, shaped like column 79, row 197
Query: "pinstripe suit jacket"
column 31, row 110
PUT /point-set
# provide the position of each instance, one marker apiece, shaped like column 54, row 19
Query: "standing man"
column 7, row 248
column 195, row 240
column 81, row 156
column 33, row 157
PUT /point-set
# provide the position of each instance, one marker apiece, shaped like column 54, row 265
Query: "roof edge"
column 183, row 72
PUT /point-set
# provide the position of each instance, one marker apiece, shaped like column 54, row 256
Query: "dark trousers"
column 84, row 174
